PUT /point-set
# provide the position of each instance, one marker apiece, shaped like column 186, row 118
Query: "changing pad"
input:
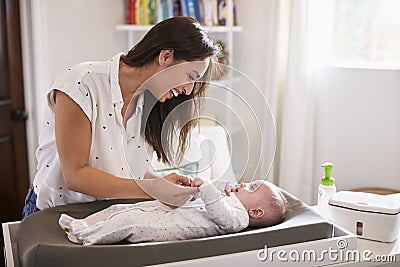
column 41, row 241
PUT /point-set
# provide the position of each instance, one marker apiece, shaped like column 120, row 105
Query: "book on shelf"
column 142, row 14
column 130, row 12
column 207, row 12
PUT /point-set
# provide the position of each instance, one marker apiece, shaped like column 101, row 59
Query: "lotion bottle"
column 326, row 190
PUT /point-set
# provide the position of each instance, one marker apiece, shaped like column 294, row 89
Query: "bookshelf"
column 134, row 32
column 145, row 28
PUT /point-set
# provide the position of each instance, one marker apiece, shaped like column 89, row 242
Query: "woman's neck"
column 132, row 78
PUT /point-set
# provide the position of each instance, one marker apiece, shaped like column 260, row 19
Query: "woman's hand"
column 178, row 179
column 173, row 189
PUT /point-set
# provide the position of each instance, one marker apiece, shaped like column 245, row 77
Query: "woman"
column 104, row 120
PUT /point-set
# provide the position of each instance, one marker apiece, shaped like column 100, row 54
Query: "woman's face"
column 176, row 79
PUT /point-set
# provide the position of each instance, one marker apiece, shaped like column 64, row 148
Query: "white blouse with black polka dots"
column 117, row 149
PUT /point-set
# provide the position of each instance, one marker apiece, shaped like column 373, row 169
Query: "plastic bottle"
column 326, row 189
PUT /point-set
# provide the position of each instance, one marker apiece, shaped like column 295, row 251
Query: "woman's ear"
column 256, row 213
column 166, row 57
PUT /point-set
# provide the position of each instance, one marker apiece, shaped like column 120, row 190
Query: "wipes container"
column 367, row 215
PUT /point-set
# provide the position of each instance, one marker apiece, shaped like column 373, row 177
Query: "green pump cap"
column 327, row 180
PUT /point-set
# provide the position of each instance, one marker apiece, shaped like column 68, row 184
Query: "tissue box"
column 367, row 215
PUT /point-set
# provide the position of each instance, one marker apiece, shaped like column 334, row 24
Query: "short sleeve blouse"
column 117, row 149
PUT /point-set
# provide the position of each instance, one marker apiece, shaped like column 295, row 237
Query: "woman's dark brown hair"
column 190, row 42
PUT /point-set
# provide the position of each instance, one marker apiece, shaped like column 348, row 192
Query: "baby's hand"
column 228, row 189
column 197, row 182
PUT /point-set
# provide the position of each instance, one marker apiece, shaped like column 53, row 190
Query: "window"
column 359, row 32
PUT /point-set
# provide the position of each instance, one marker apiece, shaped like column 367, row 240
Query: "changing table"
column 39, row 241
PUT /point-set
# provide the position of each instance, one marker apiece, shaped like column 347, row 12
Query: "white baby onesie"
column 154, row 221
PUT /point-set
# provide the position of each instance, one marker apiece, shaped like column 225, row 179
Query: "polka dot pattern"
column 153, row 221
column 116, row 147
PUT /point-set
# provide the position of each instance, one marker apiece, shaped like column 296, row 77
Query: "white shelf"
column 144, row 28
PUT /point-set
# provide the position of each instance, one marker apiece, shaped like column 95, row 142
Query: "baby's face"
column 250, row 194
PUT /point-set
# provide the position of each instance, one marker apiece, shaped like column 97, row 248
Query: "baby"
column 255, row 204
column 263, row 201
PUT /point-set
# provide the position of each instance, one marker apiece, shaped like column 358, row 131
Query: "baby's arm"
column 230, row 217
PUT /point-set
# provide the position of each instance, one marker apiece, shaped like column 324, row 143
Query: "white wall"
column 251, row 44
column 358, row 127
column 251, row 50
column 58, row 34
column 78, row 31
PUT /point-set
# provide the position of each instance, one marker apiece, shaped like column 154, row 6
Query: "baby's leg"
column 74, row 227
column 115, row 228
column 71, row 227
column 102, row 215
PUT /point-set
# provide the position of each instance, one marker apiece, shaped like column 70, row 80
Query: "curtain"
column 289, row 89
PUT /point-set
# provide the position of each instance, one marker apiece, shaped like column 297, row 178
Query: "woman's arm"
column 73, row 138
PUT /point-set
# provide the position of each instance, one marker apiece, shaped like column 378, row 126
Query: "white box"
column 370, row 216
